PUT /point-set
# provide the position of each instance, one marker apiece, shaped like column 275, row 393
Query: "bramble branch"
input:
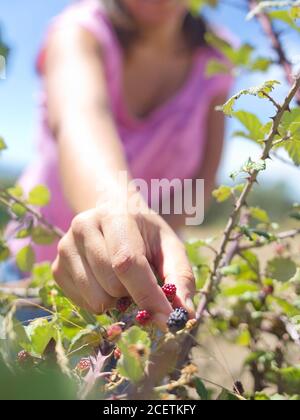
column 6, row 198
column 273, row 35
column 221, row 260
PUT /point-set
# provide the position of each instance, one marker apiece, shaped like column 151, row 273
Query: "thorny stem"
column 221, row 259
column 224, row 255
column 273, row 35
column 5, row 197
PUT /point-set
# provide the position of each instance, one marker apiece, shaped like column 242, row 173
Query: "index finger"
column 127, row 253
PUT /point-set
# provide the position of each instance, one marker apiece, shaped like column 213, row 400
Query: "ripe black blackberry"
column 177, row 320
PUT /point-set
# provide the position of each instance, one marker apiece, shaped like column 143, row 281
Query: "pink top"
column 169, row 143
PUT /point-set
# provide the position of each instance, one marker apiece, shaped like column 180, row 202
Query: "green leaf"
column 132, row 364
column 4, row 252
column 42, row 236
column 259, row 91
column 293, row 149
column 19, row 210
column 227, row 396
column 223, row 193
column 201, row 389
column 244, row 338
column 88, row 337
column 290, row 377
column 231, row 270
column 215, row 67
column 259, row 214
column 40, row 332
column 39, row 196
column 41, row 275
column 16, row 191
column 286, row 17
column 281, row 269
column 287, row 308
column 23, row 233
column 25, row 259
column 2, row 144
column 239, row 289
column 252, row 123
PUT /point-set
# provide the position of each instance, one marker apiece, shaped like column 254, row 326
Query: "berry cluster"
column 83, row 365
column 170, row 291
column 177, row 320
column 143, row 317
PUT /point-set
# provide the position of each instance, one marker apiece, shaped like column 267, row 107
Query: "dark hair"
column 194, row 27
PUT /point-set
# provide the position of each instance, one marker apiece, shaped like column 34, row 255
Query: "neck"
column 163, row 37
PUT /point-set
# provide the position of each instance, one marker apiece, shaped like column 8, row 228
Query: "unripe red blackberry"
column 23, row 357
column 143, row 317
column 83, row 365
column 114, row 331
column 123, row 303
column 280, row 249
column 177, row 320
column 117, row 353
column 170, row 291
column 268, row 290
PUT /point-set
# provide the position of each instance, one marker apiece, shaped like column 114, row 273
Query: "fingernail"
column 190, row 305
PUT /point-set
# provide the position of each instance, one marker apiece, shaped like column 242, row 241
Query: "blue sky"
column 24, row 22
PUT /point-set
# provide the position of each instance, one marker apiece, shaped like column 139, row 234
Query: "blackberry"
column 83, row 365
column 123, row 304
column 170, row 291
column 177, row 320
column 143, row 317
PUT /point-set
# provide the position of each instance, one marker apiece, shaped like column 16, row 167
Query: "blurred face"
column 154, row 12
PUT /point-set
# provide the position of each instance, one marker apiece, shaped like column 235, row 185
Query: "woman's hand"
column 104, row 257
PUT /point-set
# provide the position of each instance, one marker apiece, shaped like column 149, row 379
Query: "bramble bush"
column 70, row 353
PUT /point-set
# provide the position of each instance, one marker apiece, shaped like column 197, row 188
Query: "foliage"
column 241, row 298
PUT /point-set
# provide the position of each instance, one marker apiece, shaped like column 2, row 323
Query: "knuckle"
column 79, row 225
column 63, row 248
column 115, row 288
column 98, row 306
column 122, row 261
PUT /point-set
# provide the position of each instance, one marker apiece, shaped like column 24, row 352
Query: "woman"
column 125, row 90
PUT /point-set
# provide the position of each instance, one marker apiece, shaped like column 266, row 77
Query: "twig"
column 223, row 258
column 4, row 195
column 277, row 45
column 290, row 234
column 220, row 261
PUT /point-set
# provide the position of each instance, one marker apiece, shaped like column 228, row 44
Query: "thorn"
column 269, row 157
column 273, row 118
column 276, row 133
column 288, row 108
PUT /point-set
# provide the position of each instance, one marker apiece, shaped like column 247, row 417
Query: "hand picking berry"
column 123, row 304
column 170, row 291
column 177, row 320
column 143, row 317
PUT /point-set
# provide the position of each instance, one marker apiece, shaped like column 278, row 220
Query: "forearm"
column 91, row 158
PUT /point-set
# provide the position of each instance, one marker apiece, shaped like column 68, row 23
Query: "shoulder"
column 81, row 28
